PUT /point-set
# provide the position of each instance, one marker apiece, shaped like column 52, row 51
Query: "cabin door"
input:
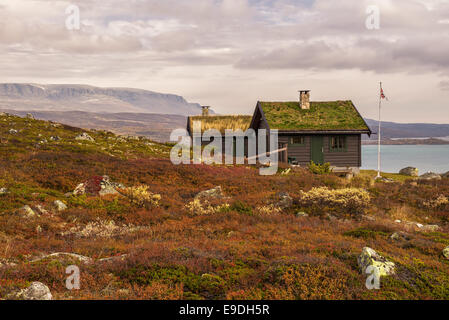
column 317, row 149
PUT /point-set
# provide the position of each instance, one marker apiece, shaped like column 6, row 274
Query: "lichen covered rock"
column 84, row 137
column 369, row 257
column 59, row 205
column 409, row 171
column 446, row 252
column 98, row 185
column 430, row 176
column 285, row 201
column 215, row 193
column 36, row 291
column 26, row 212
column 400, row 236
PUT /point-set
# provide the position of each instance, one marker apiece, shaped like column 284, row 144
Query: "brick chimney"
column 205, row 111
column 304, row 99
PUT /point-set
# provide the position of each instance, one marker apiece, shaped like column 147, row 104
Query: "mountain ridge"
column 407, row 130
column 81, row 97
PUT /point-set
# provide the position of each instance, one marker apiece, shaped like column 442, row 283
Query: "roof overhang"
column 298, row 132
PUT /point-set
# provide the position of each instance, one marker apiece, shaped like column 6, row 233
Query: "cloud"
column 444, row 85
column 231, row 43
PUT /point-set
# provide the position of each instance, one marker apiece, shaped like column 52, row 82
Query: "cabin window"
column 296, row 141
column 337, row 144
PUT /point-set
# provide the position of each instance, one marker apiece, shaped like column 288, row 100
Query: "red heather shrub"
column 93, row 185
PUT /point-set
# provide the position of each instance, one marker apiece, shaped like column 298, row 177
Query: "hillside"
column 149, row 231
column 408, row 130
column 74, row 97
column 157, row 127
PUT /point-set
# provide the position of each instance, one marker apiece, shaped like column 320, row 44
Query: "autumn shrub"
column 205, row 207
column 347, row 200
column 317, row 168
column 305, row 281
column 440, row 202
column 241, row 207
column 141, row 196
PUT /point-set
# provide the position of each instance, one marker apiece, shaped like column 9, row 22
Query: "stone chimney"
column 304, row 99
column 205, row 111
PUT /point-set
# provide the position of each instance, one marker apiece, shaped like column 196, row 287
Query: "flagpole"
column 378, row 134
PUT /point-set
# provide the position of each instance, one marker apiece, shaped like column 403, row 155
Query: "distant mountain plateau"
column 65, row 97
column 129, row 111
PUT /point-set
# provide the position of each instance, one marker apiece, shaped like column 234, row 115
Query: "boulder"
column 368, row 218
column 369, row 257
column 429, row 227
column 65, row 257
column 446, row 252
column 29, row 116
column 109, row 187
column 36, row 291
column 285, row 201
column 4, row 191
column 79, row 190
column 13, row 131
column 409, row 171
column 302, row 214
column 4, row 263
column 59, row 205
column 215, row 193
column 84, row 137
column 55, row 138
column 98, row 185
column 430, row 176
column 26, row 212
column 40, row 209
column 383, row 179
column 400, row 236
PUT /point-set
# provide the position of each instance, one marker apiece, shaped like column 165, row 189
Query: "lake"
column 433, row 158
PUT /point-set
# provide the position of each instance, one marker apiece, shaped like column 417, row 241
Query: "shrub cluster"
column 320, row 168
column 140, row 196
column 349, row 200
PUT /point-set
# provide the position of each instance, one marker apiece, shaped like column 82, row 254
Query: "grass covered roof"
column 322, row 116
column 221, row 123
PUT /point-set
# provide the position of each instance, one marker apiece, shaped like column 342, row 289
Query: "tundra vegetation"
column 169, row 232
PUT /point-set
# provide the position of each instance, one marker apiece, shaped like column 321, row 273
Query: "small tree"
column 320, row 168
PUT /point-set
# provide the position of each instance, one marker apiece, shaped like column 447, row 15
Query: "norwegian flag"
column 382, row 95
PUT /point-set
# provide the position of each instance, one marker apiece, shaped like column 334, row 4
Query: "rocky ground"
column 138, row 227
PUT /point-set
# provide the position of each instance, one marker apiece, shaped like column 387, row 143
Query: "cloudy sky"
column 231, row 53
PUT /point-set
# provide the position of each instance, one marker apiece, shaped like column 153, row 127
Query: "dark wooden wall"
column 301, row 153
column 351, row 157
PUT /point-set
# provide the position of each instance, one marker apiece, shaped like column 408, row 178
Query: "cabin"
column 220, row 123
column 326, row 131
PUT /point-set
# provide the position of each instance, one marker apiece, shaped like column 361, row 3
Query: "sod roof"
column 221, row 123
column 322, row 116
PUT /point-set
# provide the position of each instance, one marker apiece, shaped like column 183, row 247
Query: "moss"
column 332, row 115
column 206, row 285
column 241, row 207
column 365, row 233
